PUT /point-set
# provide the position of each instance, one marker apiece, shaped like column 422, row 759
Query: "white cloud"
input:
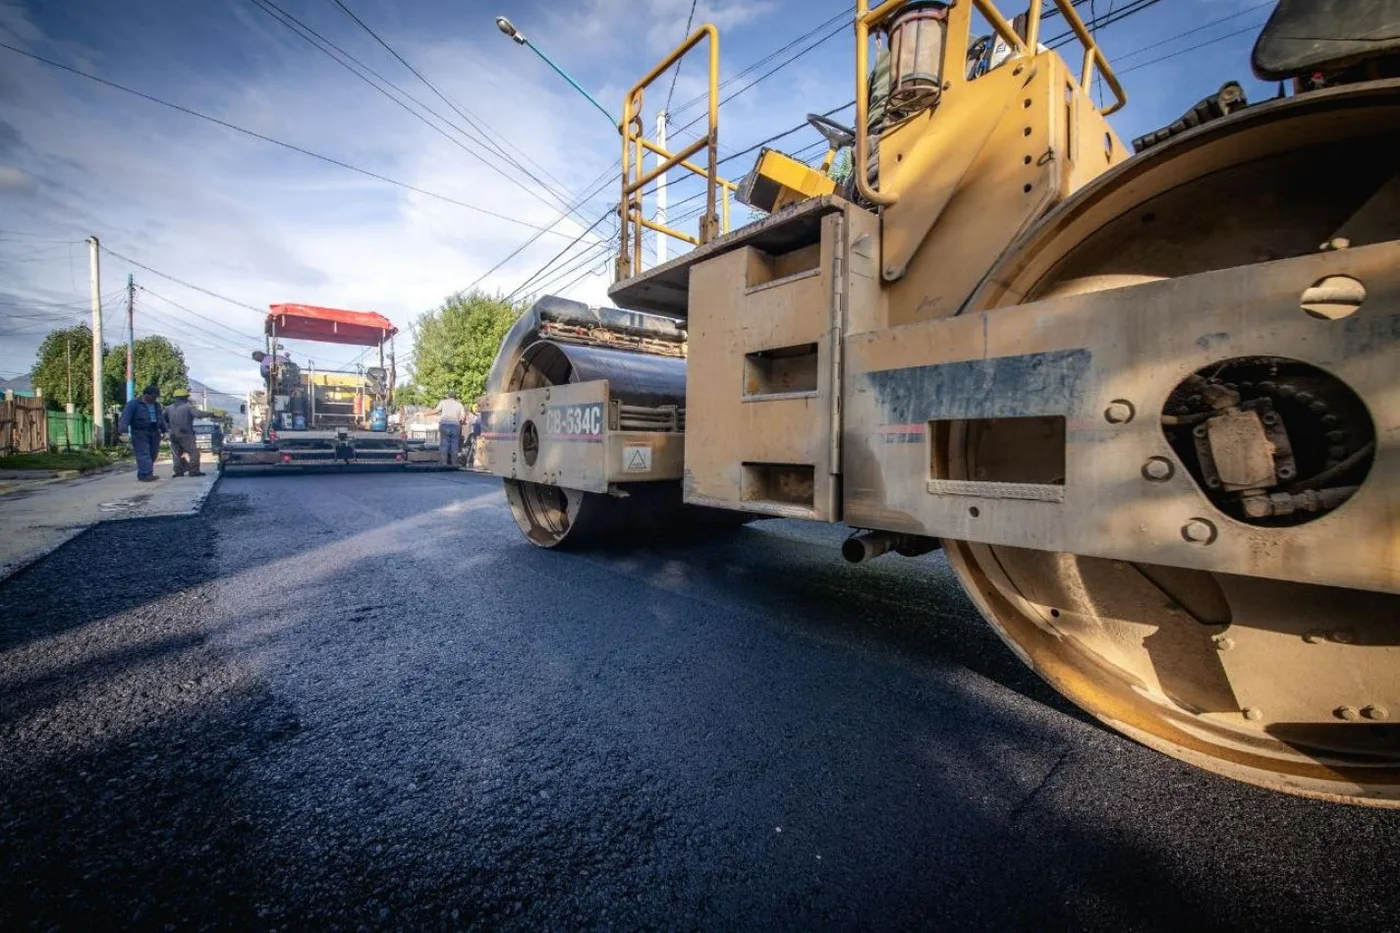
column 263, row 224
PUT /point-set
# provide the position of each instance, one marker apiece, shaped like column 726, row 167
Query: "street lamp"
column 518, row 37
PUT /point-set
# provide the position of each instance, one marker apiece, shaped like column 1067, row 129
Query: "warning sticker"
column 636, row 459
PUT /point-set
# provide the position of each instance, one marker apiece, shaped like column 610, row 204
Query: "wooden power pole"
column 97, row 401
column 130, row 338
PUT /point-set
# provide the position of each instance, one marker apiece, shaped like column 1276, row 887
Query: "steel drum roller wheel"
column 1163, row 654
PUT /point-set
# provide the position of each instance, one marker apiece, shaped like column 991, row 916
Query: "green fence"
column 67, row 432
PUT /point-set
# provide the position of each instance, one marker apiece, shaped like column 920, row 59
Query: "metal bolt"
column 1314, row 637
column 1337, row 242
column 1344, row 636
column 1224, row 643
column 1198, row 531
column 1253, row 713
column 1269, row 418
column 1285, row 472
column 1158, row 469
column 1119, row 411
column 1257, row 506
column 1348, row 713
column 1375, row 712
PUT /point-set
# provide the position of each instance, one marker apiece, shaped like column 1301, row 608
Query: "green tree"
column 455, row 344
column 63, row 369
column 224, row 419
column 841, row 168
column 156, row 360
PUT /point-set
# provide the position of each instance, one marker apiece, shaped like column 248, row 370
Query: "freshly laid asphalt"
column 362, row 701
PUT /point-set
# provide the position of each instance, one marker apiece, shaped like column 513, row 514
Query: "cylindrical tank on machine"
column 916, row 34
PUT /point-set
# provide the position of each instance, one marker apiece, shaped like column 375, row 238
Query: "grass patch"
column 73, row 460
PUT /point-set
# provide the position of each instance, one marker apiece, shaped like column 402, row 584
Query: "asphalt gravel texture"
column 362, row 701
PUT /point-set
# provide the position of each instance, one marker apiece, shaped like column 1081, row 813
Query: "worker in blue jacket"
column 146, row 422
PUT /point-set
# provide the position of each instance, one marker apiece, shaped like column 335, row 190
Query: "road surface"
column 361, row 701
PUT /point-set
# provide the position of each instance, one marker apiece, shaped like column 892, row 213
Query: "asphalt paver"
column 363, row 701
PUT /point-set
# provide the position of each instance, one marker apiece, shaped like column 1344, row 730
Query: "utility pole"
column 97, row 402
column 130, row 338
column 662, row 119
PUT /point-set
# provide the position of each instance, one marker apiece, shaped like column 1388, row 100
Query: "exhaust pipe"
column 872, row 544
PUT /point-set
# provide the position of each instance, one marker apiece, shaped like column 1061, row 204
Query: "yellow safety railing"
column 955, row 54
column 635, row 177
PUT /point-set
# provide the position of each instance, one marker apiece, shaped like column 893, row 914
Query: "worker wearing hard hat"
column 179, row 419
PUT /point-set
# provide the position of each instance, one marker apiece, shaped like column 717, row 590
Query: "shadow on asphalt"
column 913, row 606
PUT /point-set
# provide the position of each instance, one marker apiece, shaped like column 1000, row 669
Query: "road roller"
column 1146, row 400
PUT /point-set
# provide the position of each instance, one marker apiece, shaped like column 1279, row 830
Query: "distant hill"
column 216, row 399
column 18, row 384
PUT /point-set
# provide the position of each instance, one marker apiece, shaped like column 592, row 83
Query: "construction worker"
column 179, row 419
column 451, row 413
column 144, row 419
column 473, row 429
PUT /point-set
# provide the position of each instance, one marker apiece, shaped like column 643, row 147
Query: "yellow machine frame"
column 1014, row 345
column 635, row 177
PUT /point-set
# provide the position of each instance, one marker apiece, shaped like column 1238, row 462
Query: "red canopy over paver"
column 329, row 325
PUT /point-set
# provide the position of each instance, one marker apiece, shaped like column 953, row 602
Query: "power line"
column 220, row 341
column 601, row 184
column 840, row 28
column 589, row 257
column 1095, row 23
column 1204, row 26
column 344, row 59
column 753, row 66
column 745, row 88
column 33, row 236
column 579, row 278
column 237, row 333
column 166, row 275
column 465, row 115
column 675, row 75
column 276, row 142
column 556, row 257
column 1192, row 48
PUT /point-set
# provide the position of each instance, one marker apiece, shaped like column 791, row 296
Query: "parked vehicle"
column 208, row 435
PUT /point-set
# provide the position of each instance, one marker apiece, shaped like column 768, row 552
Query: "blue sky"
column 262, row 224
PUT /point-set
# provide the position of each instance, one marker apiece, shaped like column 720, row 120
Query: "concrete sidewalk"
column 37, row 516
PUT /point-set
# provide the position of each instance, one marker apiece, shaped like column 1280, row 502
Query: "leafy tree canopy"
column 63, row 370
column 455, row 344
column 155, row 359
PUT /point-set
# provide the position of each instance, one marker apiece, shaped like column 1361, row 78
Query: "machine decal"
column 903, row 433
column 1004, row 387
column 575, row 422
column 636, row 459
